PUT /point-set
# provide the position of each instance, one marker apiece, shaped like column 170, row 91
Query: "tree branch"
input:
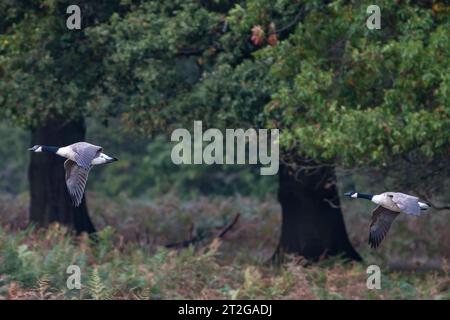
column 196, row 239
column 229, row 226
column 294, row 21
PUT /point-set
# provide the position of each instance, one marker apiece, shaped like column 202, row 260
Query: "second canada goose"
column 390, row 205
column 81, row 156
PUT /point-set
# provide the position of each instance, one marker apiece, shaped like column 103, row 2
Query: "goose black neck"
column 50, row 149
column 365, row 196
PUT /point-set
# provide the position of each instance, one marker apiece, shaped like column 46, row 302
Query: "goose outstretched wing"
column 85, row 153
column 76, row 179
column 408, row 204
column 382, row 219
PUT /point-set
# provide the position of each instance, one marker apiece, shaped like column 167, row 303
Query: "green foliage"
column 45, row 70
column 365, row 98
column 129, row 261
column 340, row 93
column 191, row 274
column 145, row 169
column 96, row 288
column 13, row 144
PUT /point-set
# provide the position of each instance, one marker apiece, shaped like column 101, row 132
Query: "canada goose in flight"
column 81, row 156
column 390, row 204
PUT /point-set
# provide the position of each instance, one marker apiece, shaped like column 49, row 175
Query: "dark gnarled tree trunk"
column 50, row 201
column 312, row 226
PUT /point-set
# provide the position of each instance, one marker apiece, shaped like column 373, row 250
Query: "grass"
column 128, row 260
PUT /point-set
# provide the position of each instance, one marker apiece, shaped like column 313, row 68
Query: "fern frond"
column 141, row 294
column 97, row 290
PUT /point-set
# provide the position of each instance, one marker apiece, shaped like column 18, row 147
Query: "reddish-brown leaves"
column 257, row 35
column 272, row 39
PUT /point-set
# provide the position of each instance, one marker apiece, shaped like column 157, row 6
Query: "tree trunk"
column 312, row 224
column 50, row 200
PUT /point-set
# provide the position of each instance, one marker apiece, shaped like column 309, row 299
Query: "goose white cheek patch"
column 101, row 159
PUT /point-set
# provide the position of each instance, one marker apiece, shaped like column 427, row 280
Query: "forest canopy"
column 339, row 92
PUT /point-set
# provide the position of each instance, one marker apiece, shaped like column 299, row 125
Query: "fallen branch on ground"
column 196, row 239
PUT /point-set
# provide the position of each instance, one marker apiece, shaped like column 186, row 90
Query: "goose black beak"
column 348, row 194
column 111, row 160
